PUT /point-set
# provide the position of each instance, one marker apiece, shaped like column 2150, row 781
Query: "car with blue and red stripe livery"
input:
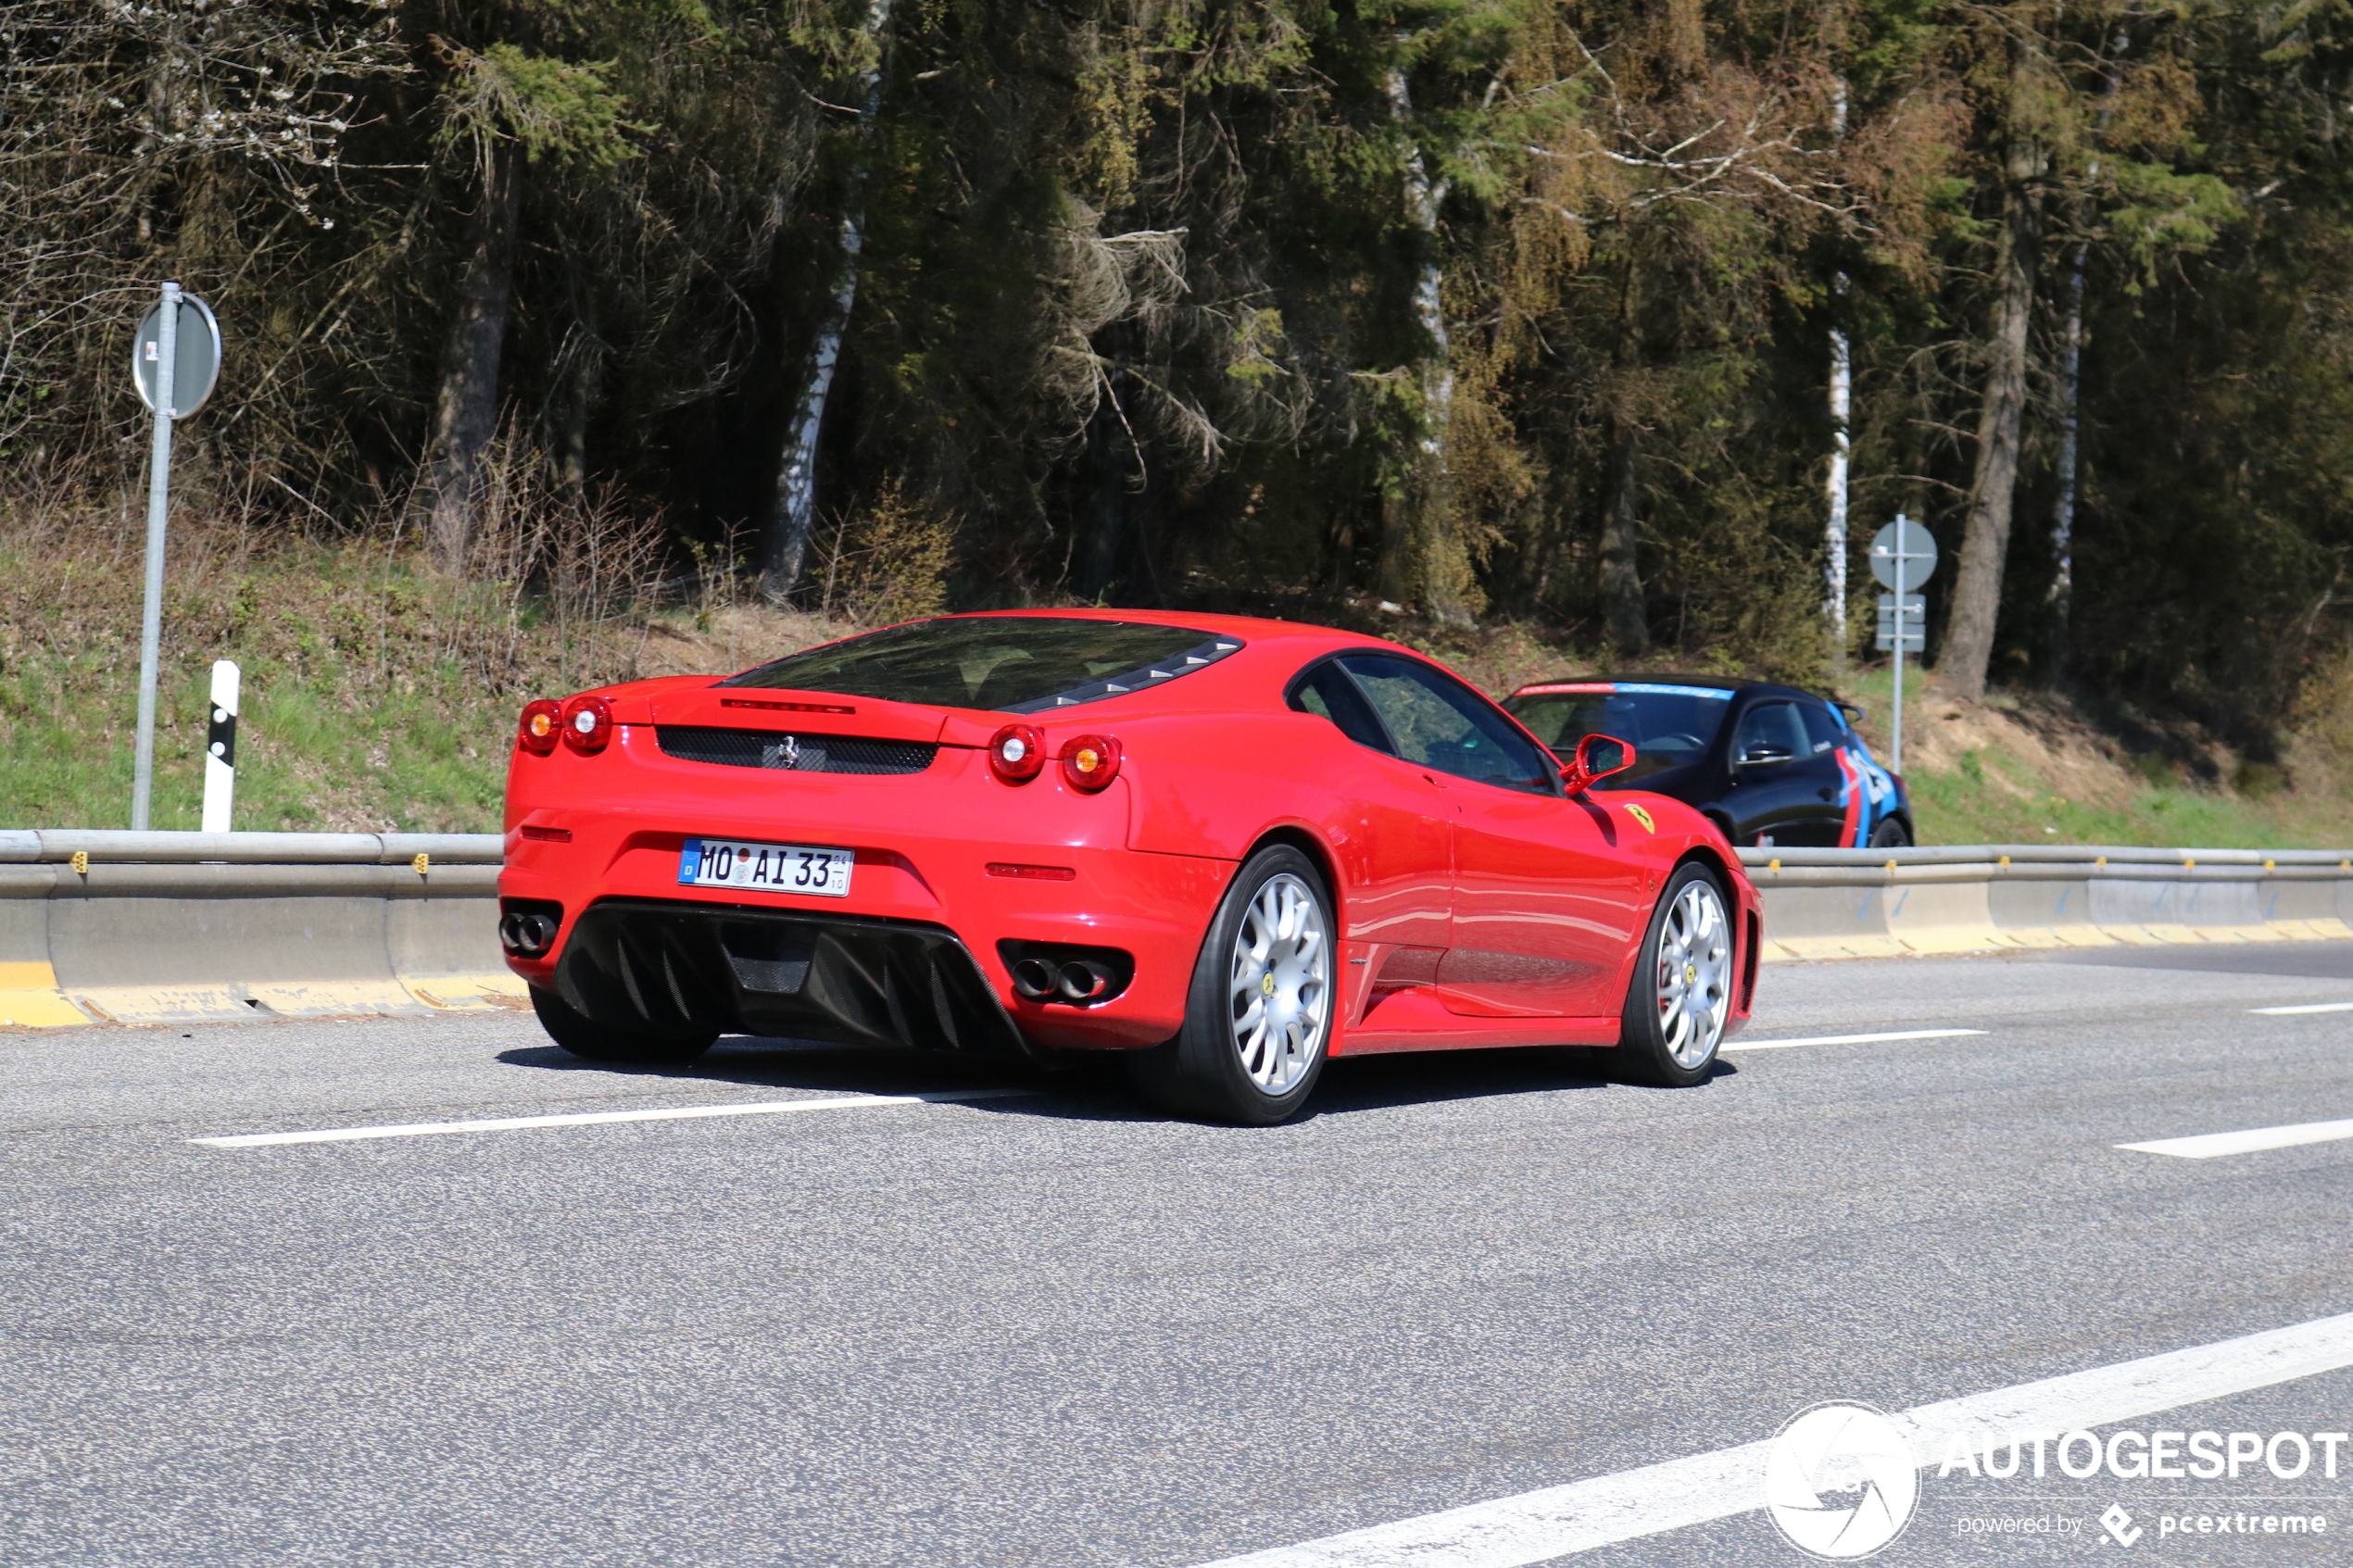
column 1224, row 849
column 1768, row 764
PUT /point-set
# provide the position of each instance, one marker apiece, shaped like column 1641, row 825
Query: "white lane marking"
column 2208, row 1145
column 585, row 1118
column 2308, row 1006
column 1848, row 1039
column 1538, row 1526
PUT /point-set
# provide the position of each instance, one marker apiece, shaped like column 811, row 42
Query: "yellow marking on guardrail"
column 82, row 862
column 422, row 863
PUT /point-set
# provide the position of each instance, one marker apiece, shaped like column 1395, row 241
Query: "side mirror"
column 1597, row 758
column 1854, row 715
column 1766, row 755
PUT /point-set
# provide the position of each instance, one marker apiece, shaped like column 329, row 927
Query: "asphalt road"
column 1053, row 1328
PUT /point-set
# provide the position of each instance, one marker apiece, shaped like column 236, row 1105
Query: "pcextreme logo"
column 1840, row 1481
column 1642, row 817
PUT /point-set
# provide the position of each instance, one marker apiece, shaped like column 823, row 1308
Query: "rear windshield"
column 1668, row 726
column 1014, row 664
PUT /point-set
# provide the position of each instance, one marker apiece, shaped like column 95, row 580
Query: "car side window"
column 1824, row 734
column 1442, row 724
column 1327, row 692
column 1772, row 731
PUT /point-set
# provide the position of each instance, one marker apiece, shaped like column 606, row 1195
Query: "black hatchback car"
column 1771, row 765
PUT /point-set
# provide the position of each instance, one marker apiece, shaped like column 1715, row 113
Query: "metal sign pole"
column 1903, row 581
column 143, row 777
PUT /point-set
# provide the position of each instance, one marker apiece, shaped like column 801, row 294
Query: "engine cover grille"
column 792, row 753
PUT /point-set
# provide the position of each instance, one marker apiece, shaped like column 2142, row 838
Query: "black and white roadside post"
column 221, row 748
column 175, row 360
column 1903, row 557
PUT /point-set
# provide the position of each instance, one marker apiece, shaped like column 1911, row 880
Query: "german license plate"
column 770, row 868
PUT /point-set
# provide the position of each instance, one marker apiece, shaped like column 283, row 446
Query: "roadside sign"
column 1919, row 562
column 1912, row 608
column 1903, row 557
column 176, row 350
column 196, row 363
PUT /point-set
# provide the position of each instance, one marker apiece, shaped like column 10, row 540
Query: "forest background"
column 1546, row 334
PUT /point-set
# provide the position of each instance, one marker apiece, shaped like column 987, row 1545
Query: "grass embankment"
column 380, row 697
column 376, row 698
column 2034, row 772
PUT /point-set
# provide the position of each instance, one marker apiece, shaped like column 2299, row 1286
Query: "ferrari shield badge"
column 1642, row 817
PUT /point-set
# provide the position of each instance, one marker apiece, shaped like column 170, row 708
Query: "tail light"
column 540, row 722
column 1017, row 753
column 1090, row 762
column 587, row 724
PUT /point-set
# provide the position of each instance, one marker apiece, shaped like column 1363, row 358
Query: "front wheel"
column 583, row 1036
column 1258, row 1019
column 1891, row 834
column 1683, row 989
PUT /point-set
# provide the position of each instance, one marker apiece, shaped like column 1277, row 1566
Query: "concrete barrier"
column 1875, row 903
column 174, row 927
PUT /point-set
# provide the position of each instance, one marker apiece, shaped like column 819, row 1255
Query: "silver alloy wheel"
column 1280, row 996
column 1694, row 974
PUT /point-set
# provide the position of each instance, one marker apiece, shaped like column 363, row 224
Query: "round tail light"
column 541, row 720
column 1017, row 753
column 1090, row 762
column 586, row 723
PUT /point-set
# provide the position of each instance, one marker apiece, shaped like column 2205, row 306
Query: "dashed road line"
column 1849, row 1040
column 1538, row 1526
column 594, row 1118
column 2212, row 1145
column 2308, row 1006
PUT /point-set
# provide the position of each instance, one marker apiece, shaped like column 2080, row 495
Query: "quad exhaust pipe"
column 1079, row 980
column 528, row 928
column 1053, row 972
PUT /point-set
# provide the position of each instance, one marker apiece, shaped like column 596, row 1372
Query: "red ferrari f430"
column 1228, row 849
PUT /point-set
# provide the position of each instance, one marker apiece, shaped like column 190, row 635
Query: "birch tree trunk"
column 2070, row 380
column 1621, row 538
column 1985, row 540
column 784, row 549
column 2063, row 509
column 1835, row 532
column 1424, row 500
column 1842, row 413
column 1621, row 582
column 466, row 409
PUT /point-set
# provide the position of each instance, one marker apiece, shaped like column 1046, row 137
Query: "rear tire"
column 587, row 1038
column 1258, row 1020
column 1681, row 993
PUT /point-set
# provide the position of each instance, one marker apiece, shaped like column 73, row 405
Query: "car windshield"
column 1666, row 726
column 1010, row 663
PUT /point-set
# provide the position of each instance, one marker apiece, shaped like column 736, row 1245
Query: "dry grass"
column 377, row 695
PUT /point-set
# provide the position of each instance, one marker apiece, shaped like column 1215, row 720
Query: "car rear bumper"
column 668, row 965
column 954, row 876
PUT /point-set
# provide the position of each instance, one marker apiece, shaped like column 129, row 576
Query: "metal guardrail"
column 2038, row 862
column 1967, row 898
column 169, row 927
column 60, row 845
column 161, row 927
column 2070, row 854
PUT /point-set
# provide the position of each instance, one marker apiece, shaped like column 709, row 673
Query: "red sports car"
column 1227, row 848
